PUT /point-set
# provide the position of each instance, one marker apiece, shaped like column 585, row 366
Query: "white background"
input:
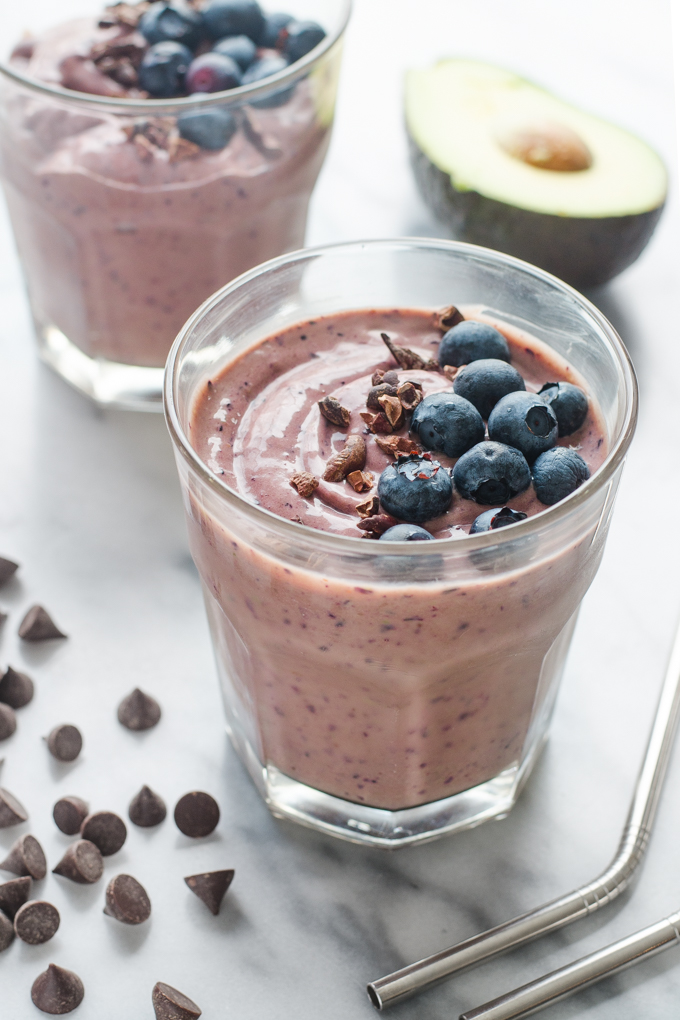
column 89, row 504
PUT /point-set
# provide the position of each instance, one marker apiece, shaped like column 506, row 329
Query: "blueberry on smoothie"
column 484, row 382
column 172, row 22
column 491, row 473
column 569, row 403
column 234, row 17
column 265, row 68
column 472, row 341
column 415, row 489
column 302, row 36
column 406, row 533
column 212, row 72
column 163, row 68
column 239, row 48
column 557, row 473
column 524, row 421
column 211, row 129
column 492, row 520
column 447, row 423
column 274, row 25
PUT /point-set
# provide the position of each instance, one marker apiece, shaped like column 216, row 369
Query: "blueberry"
column 484, row 382
column 447, row 423
column 471, row 341
column 415, row 489
column 302, row 37
column 557, row 473
column 234, row 17
column 211, row 129
column 162, row 70
column 500, row 517
column 491, row 473
column 265, row 68
column 406, row 533
column 172, row 22
column 212, row 72
column 569, row 403
column 524, row 421
column 239, row 47
column 273, row 26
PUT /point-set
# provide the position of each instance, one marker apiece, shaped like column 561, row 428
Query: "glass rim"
column 161, row 107
column 333, row 543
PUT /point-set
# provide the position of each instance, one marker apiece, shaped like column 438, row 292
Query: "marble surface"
column 90, row 505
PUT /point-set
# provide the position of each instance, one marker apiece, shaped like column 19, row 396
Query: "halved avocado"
column 505, row 164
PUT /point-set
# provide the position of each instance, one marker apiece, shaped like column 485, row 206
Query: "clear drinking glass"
column 451, row 713
column 121, row 240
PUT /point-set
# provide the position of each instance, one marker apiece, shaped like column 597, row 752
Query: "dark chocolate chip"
column 8, row 721
column 26, row 857
column 6, row 932
column 82, row 863
column 7, row 569
column 169, row 1004
column 334, row 412
column 16, row 689
column 12, row 812
column 65, row 742
column 69, row 813
column 36, row 922
column 210, row 887
column 196, row 814
column 38, row 625
column 57, row 991
column 106, row 830
column 147, row 808
column 139, row 711
column 13, row 895
column 126, row 900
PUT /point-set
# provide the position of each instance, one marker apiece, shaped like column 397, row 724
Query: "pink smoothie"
column 121, row 241
column 389, row 694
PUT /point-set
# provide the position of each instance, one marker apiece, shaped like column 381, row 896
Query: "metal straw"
column 582, row 901
column 561, row 983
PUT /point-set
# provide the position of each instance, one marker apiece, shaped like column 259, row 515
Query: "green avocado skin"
column 583, row 251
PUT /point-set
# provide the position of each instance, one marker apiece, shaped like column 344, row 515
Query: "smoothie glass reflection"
column 121, row 240
column 444, row 719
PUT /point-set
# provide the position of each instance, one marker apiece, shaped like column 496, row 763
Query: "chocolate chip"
column 6, row 932
column 408, row 359
column 65, row 742
column 13, row 895
column 210, row 887
column 36, row 922
column 12, row 812
column 126, row 900
column 82, row 863
column 382, row 390
column 106, row 830
column 38, row 625
column 361, row 481
column 69, row 813
column 7, row 569
column 57, row 991
column 304, row 483
column 447, row 318
column 369, row 508
column 334, row 412
column 8, row 721
column 139, row 711
column 196, row 814
column 26, row 857
column 16, row 689
column 147, row 808
column 169, row 1004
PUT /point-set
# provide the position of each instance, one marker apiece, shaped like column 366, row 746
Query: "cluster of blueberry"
column 225, row 44
column 523, row 429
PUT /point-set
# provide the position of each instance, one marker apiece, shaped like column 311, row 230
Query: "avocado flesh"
column 585, row 226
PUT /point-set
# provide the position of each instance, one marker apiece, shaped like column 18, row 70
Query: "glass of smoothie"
column 386, row 692
column 130, row 208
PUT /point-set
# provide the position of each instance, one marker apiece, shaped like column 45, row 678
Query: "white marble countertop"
column 90, row 506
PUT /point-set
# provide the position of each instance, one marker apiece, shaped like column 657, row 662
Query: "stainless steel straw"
column 582, row 901
column 561, row 983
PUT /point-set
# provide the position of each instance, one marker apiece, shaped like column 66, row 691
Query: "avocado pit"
column 547, row 146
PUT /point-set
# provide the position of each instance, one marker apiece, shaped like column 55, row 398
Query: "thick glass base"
column 389, row 830
column 108, row 383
